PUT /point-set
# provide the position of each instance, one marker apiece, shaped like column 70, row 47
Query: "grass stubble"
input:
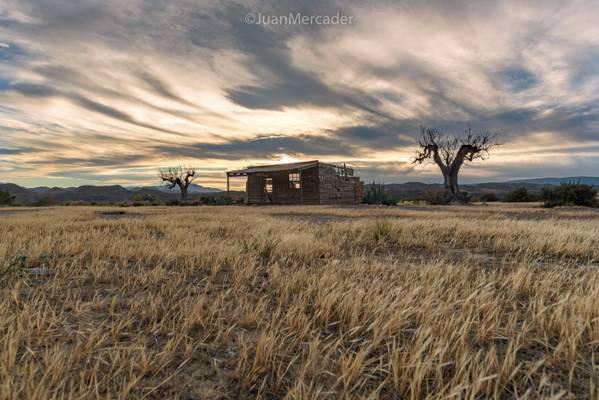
column 300, row 303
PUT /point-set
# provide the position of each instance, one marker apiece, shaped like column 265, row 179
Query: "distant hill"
column 419, row 190
column 88, row 194
column 587, row 180
column 97, row 194
column 13, row 189
column 118, row 194
column 193, row 188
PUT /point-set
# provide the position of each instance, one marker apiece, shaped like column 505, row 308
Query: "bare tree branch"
column 450, row 152
column 178, row 176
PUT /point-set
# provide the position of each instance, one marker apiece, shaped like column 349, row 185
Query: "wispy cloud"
column 109, row 91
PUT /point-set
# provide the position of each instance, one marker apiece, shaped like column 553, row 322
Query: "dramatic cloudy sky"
column 106, row 91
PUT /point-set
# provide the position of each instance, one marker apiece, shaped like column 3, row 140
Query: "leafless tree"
column 450, row 152
column 178, row 176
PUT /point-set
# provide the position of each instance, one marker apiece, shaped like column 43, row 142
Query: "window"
column 294, row 181
column 268, row 185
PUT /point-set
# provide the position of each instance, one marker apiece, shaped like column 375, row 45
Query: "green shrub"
column 220, row 200
column 144, row 198
column 390, row 201
column 436, row 197
column 376, row 194
column 520, row 195
column 441, row 197
column 489, row 197
column 6, row 198
column 45, row 201
column 570, row 194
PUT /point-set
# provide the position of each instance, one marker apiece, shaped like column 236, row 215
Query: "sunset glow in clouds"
column 104, row 92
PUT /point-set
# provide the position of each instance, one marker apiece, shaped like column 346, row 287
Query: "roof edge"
column 275, row 167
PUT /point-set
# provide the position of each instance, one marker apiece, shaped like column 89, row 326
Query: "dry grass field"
column 299, row 302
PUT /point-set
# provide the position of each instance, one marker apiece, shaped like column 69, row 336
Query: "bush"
column 76, row 203
column 441, row 197
column 489, row 197
column 45, row 201
column 144, row 198
column 6, row 198
column 216, row 200
column 520, row 195
column 376, row 194
column 436, row 197
column 570, row 194
column 390, row 200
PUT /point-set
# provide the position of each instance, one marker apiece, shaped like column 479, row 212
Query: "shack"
column 309, row 182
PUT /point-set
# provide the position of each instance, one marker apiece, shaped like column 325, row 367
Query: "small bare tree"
column 450, row 152
column 178, row 176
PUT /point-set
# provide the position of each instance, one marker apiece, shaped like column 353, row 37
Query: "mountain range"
column 118, row 194
column 587, row 180
column 193, row 188
column 419, row 190
column 98, row 194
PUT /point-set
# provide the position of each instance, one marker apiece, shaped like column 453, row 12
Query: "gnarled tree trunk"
column 450, row 153
column 452, row 189
column 183, row 189
column 178, row 176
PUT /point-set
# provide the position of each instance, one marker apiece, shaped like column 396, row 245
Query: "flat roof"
column 275, row 167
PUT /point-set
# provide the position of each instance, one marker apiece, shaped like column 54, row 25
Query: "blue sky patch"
column 11, row 52
column 518, row 78
column 4, row 84
column 587, row 67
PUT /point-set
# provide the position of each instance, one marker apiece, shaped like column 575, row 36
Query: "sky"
column 106, row 92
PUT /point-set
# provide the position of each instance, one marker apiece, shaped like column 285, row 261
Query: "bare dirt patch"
column 12, row 211
column 118, row 214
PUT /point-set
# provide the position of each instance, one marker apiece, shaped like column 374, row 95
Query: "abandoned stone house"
column 309, row 182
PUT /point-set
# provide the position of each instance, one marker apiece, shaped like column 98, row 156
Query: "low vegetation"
column 570, row 194
column 520, row 195
column 377, row 194
column 497, row 301
column 144, row 198
column 6, row 198
column 450, row 152
column 219, row 200
column 489, row 197
column 439, row 198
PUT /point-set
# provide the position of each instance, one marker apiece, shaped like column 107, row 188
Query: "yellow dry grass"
column 299, row 303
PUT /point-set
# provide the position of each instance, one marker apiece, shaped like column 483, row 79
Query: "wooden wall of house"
column 282, row 192
column 319, row 185
column 336, row 189
column 310, row 186
column 254, row 187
